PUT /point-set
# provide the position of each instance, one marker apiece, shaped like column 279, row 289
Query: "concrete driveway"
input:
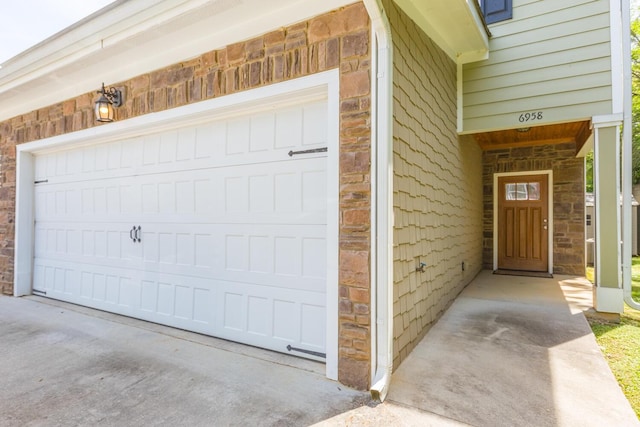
column 63, row 365
column 510, row 351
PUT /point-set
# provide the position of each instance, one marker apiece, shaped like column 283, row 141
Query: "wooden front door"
column 523, row 223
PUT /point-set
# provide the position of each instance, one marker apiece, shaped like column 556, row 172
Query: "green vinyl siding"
column 552, row 57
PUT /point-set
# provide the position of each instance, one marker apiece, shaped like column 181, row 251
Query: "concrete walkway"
column 511, row 351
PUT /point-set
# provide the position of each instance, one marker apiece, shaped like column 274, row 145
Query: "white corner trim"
column 23, row 240
column 615, row 27
column 627, row 157
column 549, row 212
column 318, row 86
column 608, row 300
column 460, row 93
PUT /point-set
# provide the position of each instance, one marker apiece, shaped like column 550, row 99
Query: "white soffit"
column 133, row 37
column 454, row 25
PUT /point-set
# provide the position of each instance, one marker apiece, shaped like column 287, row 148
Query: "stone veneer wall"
column 568, row 199
column 437, row 186
column 339, row 39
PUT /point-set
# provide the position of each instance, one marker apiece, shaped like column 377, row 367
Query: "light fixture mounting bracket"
column 112, row 94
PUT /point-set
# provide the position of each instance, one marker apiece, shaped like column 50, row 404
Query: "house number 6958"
column 530, row 116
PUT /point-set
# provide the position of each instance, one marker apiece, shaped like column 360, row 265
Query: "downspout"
column 627, row 153
column 382, row 196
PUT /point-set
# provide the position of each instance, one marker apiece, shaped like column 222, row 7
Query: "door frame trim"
column 496, row 176
column 324, row 85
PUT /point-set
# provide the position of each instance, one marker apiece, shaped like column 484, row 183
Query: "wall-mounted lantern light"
column 109, row 99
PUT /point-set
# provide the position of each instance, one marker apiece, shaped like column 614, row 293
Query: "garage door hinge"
column 313, row 353
column 42, row 181
column 314, row 150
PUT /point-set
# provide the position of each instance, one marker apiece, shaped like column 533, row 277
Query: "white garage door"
column 218, row 228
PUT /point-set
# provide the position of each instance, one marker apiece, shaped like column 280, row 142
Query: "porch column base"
column 608, row 300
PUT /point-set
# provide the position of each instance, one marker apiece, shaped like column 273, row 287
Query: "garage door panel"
column 54, row 279
column 286, row 189
column 288, row 256
column 273, row 318
column 77, row 284
column 169, row 296
column 314, row 124
column 241, row 141
column 185, row 250
column 155, row 296
column 312, row 332
column 291, row 256
column 91, row 243
column 225, row 196
column 213, row 227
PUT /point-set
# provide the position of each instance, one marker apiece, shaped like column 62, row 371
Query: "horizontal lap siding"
column 437, row 187
column 552, row 57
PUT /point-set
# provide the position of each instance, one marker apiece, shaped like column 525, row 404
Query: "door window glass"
column 533, row 191
column 522, row 191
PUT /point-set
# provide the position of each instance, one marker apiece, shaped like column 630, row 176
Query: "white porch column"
column 608, row 294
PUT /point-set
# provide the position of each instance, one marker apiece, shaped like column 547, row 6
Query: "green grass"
column 620, row 342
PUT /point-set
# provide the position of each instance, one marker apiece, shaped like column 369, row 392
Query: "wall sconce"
column 109, row 99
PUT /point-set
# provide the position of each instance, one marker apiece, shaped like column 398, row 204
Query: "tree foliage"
column 589, row 171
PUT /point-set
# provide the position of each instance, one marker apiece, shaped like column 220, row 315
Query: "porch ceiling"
column 577, row 132
column 456, row 26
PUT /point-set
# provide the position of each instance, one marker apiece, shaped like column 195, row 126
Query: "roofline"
column 129, row 38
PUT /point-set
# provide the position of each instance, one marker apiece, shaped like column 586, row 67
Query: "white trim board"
column 549, row 213
column 615, row 27
column 317, row 86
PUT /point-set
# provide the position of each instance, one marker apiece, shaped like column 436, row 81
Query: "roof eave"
column 133, row 37
column 456, row 26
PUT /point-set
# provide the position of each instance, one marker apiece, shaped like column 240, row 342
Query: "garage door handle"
column 314, row 150
column 133, row 234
